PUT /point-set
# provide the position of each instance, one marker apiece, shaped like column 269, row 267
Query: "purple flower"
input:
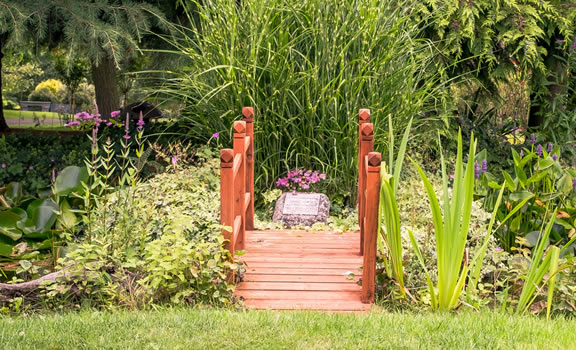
column 532, row 138
column 499, row 249
column 3, row 165
column 127, row 137
column 550, row 148
column 574, row 44
column 574, row 184
column 108, row 123
column 559, row 41
column 484, row 166
column 305, row 186
column 555, row 157
column 476, row 170
column 30, row 167
column 452, row 176
column 322, row 176
column 140, row 123
column 539, row 150
column 283, row 182
column 52, row 160
column 174, row 160
column 114, row 114
column 73, row 123
column 215, row 135
column 522, row 154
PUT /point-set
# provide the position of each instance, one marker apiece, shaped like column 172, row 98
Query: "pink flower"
column 127, row 137
column 3, row 165
column 174, row 160
column 108, row 123
column 114, row 114
column 215, row 135
column 73, row 123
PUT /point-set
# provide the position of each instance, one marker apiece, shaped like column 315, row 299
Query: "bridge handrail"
column 368, row 202
column 236, row 184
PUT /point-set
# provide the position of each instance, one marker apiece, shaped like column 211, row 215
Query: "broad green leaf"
column 42, row 215
column 8, row 224
column 70, row 180
column 13, row 193
column 545, row 164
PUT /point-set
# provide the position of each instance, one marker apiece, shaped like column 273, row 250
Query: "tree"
column 102, row 31
column 499, row 40
column 13, row 30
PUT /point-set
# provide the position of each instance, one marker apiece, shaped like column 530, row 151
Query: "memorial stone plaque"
column 305, row 209
column 301, row 204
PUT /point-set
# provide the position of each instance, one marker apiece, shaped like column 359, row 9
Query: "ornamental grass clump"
column 306, row 67
column 451, row 225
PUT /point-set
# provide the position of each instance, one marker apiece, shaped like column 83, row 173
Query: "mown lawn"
column 11, row 114
column 223, row 329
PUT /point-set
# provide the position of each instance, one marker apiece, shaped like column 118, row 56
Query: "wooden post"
column 371, row 227
column 363, row 117
column 366, row 146
column 227, row 196
column 240, row 179
column 248, row 113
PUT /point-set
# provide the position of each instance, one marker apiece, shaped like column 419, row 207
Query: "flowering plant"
column 87, row 121
column 300, row 179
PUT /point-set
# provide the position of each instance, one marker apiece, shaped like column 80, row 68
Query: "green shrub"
column 153, row 242
column 50, row 90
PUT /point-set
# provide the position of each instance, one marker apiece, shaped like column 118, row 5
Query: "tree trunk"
column 3, row 124
column 106, row 86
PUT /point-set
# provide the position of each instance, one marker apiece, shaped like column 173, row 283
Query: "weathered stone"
column 302, row 209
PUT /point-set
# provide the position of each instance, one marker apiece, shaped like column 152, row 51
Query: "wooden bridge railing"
column 237, row 183
column 237, row 192
column 368, row 202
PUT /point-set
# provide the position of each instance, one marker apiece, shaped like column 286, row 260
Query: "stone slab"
column 302, row 209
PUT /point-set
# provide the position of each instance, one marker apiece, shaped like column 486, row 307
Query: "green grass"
column 11, row 114
column 222, row 329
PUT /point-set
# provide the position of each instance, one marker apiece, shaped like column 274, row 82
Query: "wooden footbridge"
column 300, row 269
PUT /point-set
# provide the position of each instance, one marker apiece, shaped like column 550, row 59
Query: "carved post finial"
column 367, row 129
column 239, row 127
column 364, row 115
column 248, row 113
column 226, row 157
column 374, row 158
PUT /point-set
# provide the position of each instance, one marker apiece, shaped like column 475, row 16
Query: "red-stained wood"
column 371, row 226
column 366, row 146
column 226, row 196
column 302, row 259
column 239, row 189
column 342, row 278
column 323, row 305
column 300, row 269
column 298, row 295
column 248, row 118
column 301, row 286
column 267, row 270
column 363, row 118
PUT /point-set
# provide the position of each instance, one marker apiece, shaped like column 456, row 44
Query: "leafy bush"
column 31, row 158
column 51, row 90
column 157, row 241
column 542, row 183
